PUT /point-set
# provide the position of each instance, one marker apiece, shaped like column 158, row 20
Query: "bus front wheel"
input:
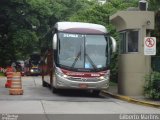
column 54, row 90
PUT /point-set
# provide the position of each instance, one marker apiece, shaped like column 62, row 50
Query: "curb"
column 132, row 100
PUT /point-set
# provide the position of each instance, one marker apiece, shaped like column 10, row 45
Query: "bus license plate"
column 83, row 85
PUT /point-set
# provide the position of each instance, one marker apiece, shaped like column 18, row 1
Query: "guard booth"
column 133, row 26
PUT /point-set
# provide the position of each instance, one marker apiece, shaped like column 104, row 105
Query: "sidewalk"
column 113, row 91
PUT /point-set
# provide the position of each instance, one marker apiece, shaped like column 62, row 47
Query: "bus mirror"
column 114, row 44
column 55, row 41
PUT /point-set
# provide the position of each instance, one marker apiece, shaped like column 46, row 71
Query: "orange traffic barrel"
column 9, row 74
column 16, row 86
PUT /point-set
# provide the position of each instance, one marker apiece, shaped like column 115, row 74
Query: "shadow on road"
column 77, row 93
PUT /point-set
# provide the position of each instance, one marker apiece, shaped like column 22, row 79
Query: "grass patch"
column 1, row 74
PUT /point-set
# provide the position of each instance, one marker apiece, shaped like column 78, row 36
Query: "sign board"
column 150, row 46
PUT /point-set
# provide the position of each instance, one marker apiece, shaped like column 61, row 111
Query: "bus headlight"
column 65, row 76
column 32, row 70
column 101, row 78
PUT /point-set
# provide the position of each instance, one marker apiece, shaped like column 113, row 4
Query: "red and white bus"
column 77, row 56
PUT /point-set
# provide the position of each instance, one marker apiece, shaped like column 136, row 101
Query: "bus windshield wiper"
column 90, row 60
column 76, row 59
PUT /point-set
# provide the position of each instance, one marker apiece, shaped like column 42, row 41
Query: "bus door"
column 48, row 67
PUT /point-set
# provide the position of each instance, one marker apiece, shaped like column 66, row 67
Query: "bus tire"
column 96, row 92
column 54, row 90
column 44, row 84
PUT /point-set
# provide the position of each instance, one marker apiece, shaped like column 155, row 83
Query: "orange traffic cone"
column 9, row 73
column 16, row 86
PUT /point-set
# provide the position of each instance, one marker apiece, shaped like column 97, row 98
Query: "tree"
column 154, row 5
column 24, row 22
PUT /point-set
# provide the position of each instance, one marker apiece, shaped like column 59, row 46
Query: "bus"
column 77, row 55
column 32, row 65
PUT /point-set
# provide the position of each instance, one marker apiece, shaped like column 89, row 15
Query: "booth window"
column 129, row 41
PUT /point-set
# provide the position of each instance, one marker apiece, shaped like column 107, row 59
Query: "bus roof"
column 80, row 27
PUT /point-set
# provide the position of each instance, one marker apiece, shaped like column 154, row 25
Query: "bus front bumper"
column 81, row 83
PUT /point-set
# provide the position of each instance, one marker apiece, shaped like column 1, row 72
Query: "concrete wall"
column 132, row 19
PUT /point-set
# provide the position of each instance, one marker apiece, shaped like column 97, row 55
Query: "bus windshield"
column 81, row 52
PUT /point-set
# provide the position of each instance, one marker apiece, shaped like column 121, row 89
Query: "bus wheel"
column 44, row 84
column 96, row 92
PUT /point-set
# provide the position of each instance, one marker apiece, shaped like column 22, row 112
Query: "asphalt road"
column 40, row 100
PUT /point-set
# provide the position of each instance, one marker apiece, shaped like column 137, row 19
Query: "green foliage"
column 1, row 74
column 24, row 42
column 98, row 13
column 152, row 85
column 17, row 36
column 154, row 5
column 63, row 9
